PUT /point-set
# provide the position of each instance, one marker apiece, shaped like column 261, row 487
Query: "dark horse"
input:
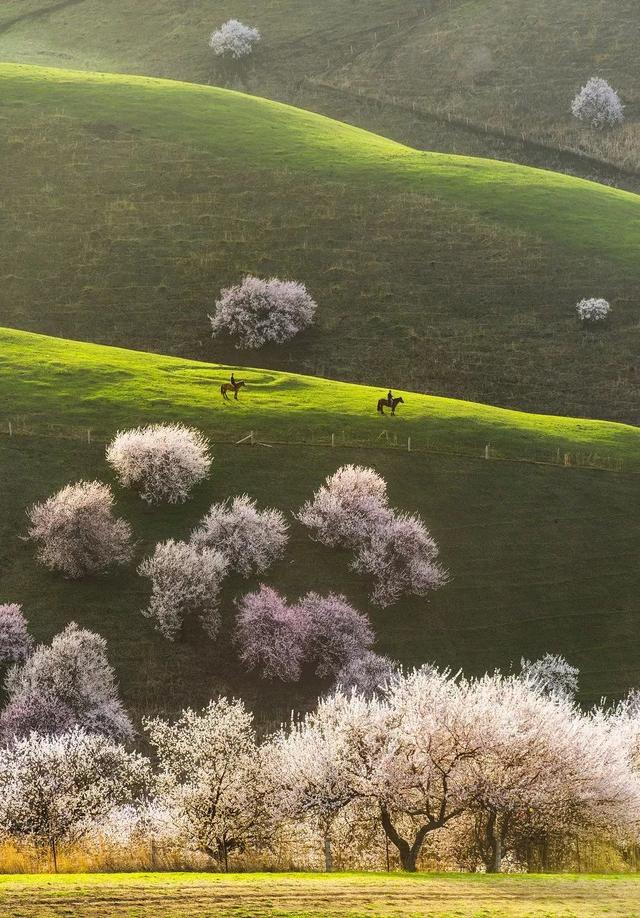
column 230, row 387
column 382, row 402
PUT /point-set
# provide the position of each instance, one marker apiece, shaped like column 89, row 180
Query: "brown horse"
column 229, row 387
column 382, row 403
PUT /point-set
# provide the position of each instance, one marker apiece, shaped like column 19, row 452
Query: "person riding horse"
column 389, row 398
column 233, row 381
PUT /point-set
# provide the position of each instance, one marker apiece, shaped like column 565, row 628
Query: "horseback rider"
column 390, row 398
column 233, row 381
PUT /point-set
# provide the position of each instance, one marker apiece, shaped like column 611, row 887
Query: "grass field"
column 512, row 64
column 542, row 557
column 320, row 896
column 438, row 273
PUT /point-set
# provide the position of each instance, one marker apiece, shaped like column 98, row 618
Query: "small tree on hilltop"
column 15, row 642
column 347, row 507
column 250, row 539
column 271, row 635
column 67, row 684
column 234, row 39
column 164, row 461
column 336, row 632
column 401, row 556
column 598, row 104
column 77, row 532
column 593, row 309
column 53, row 788
column 184, row 580
column 258, row 312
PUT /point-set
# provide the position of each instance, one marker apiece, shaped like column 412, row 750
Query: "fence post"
column 333, row 439
column 10, row 429
column 89, row 436
column 486, row 451
column 408, row 444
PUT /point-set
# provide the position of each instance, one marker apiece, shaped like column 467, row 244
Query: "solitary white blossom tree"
column 164, row 461
column 234, row 39
column 52, row 789
column 15, row 641
column 66, row 684
column 598, row 104
column 257, row 312
column 593, row 309
column 212, row 777
column 184, row 580
column 77, row 532
column 250, row 539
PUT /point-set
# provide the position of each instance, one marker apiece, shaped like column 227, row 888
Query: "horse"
column 394, row 404
column 229, row 387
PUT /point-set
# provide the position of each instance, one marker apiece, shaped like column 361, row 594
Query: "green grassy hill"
column 542, row 556
column 510, row 65
column 129, row 203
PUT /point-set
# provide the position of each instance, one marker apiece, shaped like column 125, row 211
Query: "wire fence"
column 588, row 460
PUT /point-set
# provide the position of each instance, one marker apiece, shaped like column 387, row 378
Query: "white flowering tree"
column 66, row 684
column 234, row 40
column 401, row 556
column 163, row 461
column 185, row 580
column 366, row 673
column 347, row 507
column 551, row 674
column 250, row 539
column 77, row 532
column 258, row 312
column 53, row 788
column 212, row 777
column 351, row 510
column 593, row 309
column 598, row 104
column 15, row 641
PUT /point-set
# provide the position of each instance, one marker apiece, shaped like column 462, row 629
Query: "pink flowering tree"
column 366, row 673
column 163, row 461
column 66, row 684
column 250, row 539
column 271, row 635
column 15, row 642
column 258, row 312
column 184, row 581
column 336, row 633
column 77, row 532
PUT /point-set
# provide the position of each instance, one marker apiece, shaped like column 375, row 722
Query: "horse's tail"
column 222, row 389
column 380, row 407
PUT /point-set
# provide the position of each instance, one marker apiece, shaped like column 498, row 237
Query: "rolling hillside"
column 129, row 203
column 509, row 65
column 542, row 556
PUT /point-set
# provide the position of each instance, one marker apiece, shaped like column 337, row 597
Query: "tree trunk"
column 328, row 854
column 408, row 853
column 54, row 854
column 493, row 861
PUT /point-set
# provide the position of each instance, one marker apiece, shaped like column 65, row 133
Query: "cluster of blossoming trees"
column 464, row 771
column 77, row 532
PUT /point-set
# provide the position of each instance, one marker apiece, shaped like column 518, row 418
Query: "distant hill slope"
column 129, row 203
column 542, row 557
column 510, row 65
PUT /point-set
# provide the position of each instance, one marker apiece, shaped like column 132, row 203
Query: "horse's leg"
column 235, row 394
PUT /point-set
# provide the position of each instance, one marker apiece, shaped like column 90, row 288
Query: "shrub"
column 336, row 633
column 15, row 641
column 258, row 312
column 347, row 507
column 67, row 684
column 234, row 39
column 598, row 104
column 593, row 309
column 271, row 635
column 250, row 539
column 365, row 674
column 401, row 557
column 77, row 532
column 184, row 580
column 163, row 460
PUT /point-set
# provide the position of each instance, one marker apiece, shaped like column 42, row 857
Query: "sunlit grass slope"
column 542, row 556
column 130, row 202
